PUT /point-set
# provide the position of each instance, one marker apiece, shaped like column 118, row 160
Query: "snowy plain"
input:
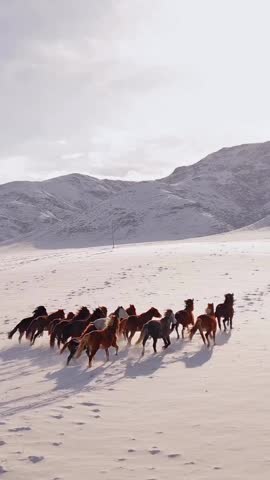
column 188, row 412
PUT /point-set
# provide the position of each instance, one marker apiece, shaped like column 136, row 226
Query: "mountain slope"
column 226, row 190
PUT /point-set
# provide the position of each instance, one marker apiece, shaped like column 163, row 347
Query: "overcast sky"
column 129, row 88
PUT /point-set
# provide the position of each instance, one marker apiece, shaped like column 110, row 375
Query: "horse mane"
column 39, row 311
column 168, row 313
column 82, row 314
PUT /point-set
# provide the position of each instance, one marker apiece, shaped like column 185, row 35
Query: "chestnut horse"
column 82, row 315
column 25, row 322
column 135, row 323
column 93, row 341
column 157, row 329
column 184, row 317
column 206, row 323
column 226, row 311
column 98, row 324
column 39, row 324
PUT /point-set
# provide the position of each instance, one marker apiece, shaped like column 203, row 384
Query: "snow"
column 187, row 412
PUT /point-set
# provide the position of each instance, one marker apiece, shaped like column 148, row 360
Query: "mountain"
column 227, row 190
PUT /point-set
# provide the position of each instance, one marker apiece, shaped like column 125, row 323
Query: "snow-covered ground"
column 185, row 413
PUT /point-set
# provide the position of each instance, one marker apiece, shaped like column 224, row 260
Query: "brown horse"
column 106, row 338
column 157, row 329
column 131, row 310
column 82, row 315
column 39, row 324
column 226, row 311
column 206, row 323
column 135, row 323
column 98, row 322
column 25, row 322
column 184, row 317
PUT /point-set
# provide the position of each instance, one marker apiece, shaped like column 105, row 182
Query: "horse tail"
column 193, row 330
column 10, row 334
column 144, row 332
column 82, row 345
column 66, row 345
column 52, row 338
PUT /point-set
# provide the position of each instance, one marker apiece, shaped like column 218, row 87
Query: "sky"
column 129, row 89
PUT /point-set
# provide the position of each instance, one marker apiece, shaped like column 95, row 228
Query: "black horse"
column 226, row 311
column 24, row 324
column 157, row 329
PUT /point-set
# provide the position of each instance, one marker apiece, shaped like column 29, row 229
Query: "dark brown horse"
column 157, row 329
column 92, row 342
column 131, row 310
column 135, row 323
column 39, row 324
column 24, row 324
column 53, row 323
column 206, row 323
column 226, row 311
column 184, row 317
column 82, row 315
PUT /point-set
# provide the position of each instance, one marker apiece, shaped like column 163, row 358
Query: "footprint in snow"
column 35, row 459
column 19, row 429
column 2, row 470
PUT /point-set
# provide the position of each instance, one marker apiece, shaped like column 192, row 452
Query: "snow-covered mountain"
column 226, row 190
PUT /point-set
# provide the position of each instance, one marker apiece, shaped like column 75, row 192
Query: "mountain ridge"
column 226, row 190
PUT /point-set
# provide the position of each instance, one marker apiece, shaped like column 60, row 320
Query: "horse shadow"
column 223, row 337
column 199, row 358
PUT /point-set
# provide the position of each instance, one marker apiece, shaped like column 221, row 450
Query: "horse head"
column 210, row 309
column 40, row 311
column 229, row 298
column 189, row 303
column 155, row 312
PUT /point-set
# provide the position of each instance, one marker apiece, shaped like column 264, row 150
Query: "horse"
column 82, row 315
column 184, row 317
column 226, row 311
column 106, row 338
column 206, row 322
column 131, row 310
column 157, row 329
column 121, row 313
column 25, row 322
column 39, row 324
column 53, row 323
column 135, row 322
column 98, row 324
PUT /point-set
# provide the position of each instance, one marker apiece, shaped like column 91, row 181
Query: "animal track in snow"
column 35, row 459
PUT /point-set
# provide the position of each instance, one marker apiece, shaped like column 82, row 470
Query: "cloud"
column 119, row 88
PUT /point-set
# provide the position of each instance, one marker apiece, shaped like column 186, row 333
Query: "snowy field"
column 188, row 412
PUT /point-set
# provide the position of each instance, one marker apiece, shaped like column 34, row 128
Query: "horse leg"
column 132, row 333
column 183, row 330
column 21, row 335
column 107, row 354
column 214, row 337
column 207, row 338
column 114, row 344
column 155, row 344
column 219, row 323
column 34, row 337
column 202, row 335
column 231, row 322
column 224, row 323
column 144, row 342
column 71, row 355
column 92, row 354
column 176, row 328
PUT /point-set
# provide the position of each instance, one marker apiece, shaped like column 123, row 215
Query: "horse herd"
column 91, row 331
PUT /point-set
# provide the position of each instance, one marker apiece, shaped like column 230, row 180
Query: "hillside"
column 226, row 190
